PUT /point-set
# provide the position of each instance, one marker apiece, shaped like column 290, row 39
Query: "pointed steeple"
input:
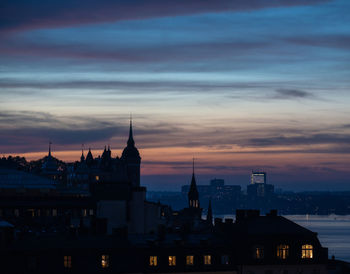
column 210, row 214
column 50, row 149
column 82, row 158
column 131, row 157
column 89, row 158
column 131, row 141
column 193, row 196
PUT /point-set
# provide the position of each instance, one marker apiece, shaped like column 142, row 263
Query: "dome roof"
column 130, row 152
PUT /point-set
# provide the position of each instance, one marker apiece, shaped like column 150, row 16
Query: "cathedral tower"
column 131, row 157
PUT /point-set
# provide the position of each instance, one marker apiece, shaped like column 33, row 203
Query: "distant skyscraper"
column 258, row 177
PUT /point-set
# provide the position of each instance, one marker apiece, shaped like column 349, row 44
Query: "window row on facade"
column 282, row 251
column 53, row 212
column 189, row 260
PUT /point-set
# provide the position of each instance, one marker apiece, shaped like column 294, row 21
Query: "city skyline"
column 237, row 86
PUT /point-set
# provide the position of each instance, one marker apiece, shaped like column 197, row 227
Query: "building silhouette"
column 111, row 227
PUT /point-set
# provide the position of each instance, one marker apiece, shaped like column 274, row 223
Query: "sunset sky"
column 239, row 85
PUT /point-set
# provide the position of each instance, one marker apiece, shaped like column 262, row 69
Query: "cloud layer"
column 24, row 15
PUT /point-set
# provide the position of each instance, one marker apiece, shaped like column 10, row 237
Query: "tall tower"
column 132, row 159
column 193, row 196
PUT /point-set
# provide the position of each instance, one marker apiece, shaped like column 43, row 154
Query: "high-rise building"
column 258, row 177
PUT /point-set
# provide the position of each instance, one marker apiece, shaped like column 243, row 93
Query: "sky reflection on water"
column 333, row 232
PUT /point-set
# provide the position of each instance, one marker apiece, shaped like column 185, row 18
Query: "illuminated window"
column 307, row 251
column 105, row 261
column 153, row 260
column 172, row 260
column 31, row 212
column 258, row 252
column 91, row 212
column 189, row 260
column 67, row 261
column 282, row 251
column 84, row 212
column 97, row 178
column 207, row 259
column 224, row 259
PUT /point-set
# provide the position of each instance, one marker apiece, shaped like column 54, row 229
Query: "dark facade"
column 110, row 227
column 252, row 244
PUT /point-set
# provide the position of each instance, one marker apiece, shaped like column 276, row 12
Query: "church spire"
column 50, row 149
column 131, row 141
column 193, row 196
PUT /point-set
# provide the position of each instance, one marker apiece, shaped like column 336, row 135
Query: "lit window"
column 97, row 178
column 258, row 252
column 207, row 259
column 84, row 212
column 307, row 251
column 224, row 259
column 189, row 259
column 67, row 261
column 282, row 251
column 172, row 260
column 153, row 260
column 105, row 261
column 91, row 212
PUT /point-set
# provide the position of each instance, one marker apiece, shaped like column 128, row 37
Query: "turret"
column 89, row 158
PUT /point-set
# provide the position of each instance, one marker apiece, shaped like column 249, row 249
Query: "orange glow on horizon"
column 177, row 160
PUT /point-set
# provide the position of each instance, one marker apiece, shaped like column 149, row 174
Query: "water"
column 333, row 232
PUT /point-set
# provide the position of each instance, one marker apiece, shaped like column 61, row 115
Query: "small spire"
column 193, row 196
column 50, row 148
column 82, row 158
column 193, row 165
column 131, row 141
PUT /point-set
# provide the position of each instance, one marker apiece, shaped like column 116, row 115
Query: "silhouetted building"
column 252, row 244
column 258, row 177
column 50, row 168
column 104, row 190
column 259, row 193
column 225, row 198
